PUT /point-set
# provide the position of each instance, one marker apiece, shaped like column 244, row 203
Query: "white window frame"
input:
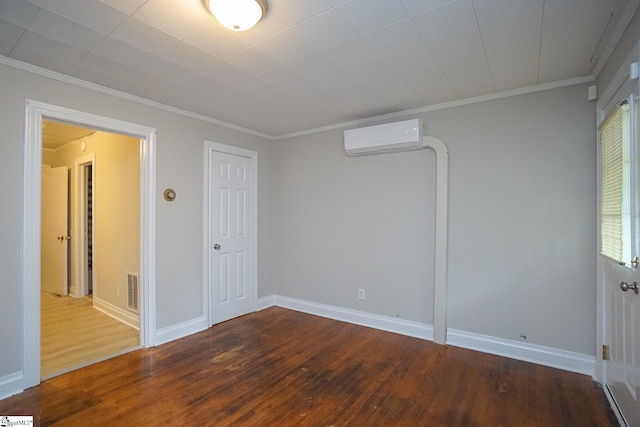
column 618, row 246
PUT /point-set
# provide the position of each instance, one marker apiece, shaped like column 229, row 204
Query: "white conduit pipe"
column 440, row 280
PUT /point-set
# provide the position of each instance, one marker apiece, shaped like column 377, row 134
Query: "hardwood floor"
column 283, row 368
column 74, row 334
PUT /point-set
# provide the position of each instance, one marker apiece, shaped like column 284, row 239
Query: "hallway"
column 74, row 334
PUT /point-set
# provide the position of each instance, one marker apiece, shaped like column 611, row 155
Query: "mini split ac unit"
column 399, row 136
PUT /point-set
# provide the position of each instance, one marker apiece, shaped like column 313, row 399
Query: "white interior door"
column 622, row 369
column 54, row 231
column 231, row 187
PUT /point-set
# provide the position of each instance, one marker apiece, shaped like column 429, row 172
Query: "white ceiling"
column 312, row 63
column 56, row 134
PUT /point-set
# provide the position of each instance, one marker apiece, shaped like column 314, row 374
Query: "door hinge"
column 605, row 352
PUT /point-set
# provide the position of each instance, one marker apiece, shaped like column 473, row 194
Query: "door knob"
column 625, row 287
column 216, row 246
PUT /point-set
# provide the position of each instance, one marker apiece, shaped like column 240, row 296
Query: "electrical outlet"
column 361, row 294
column 117, row 291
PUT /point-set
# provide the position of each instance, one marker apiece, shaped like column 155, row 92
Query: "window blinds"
column 612, row 139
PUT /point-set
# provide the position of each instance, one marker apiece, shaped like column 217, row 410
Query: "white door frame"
column 35, row 112
column 80, row 208
column 207, row 243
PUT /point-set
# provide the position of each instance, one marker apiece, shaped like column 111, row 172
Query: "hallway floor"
column 74, row 334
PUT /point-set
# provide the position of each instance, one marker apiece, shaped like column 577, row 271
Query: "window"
column 615, row 227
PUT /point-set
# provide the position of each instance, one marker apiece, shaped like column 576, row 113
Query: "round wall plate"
column 169, row 194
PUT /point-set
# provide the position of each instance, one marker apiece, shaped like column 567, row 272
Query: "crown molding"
column 444, row 106
column 361, row 122
column 124, row 95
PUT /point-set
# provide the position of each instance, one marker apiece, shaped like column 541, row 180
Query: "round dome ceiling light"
column 237, row 15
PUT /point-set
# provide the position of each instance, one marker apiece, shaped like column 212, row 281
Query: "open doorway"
column 35, row 114
column 84, row 182
column 83, row 328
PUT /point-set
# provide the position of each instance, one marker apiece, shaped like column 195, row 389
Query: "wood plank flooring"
column 74, row 334
column 283, row 368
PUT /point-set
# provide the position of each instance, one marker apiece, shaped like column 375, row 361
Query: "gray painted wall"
column 363, row 222
column 180, row 150
column 522, row 214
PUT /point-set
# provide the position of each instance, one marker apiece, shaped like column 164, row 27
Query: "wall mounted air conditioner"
column 399, row 136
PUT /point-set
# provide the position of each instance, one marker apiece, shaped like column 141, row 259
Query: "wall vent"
column 132, row 291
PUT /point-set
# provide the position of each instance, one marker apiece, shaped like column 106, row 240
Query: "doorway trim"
column 207, row 243
column 80, row 208
column 35, row 112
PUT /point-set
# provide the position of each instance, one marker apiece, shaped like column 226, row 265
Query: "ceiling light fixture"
column 237, row 15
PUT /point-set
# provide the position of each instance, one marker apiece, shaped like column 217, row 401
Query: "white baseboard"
column 376, row 321
column 127, row 317
column 266, row 302
column 541, row 355
column 11, row 384
column 180, row 330
column 546, row 356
